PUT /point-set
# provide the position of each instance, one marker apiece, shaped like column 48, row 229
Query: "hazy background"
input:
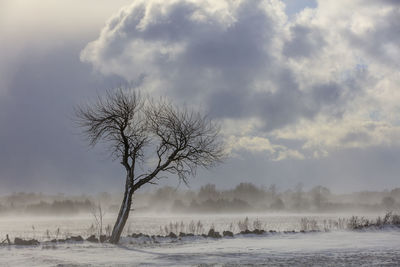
column 244, row 198
column 307, row 91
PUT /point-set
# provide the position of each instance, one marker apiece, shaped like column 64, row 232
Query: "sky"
column 306, row 91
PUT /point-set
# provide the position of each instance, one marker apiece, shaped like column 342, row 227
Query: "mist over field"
column 244, row 198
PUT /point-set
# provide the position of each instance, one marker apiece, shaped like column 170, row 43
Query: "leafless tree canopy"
column 181, row 139
column 117, row 119
column 185, row 139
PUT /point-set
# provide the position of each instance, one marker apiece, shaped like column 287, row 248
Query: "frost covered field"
column 335, row 248
column 43, row 228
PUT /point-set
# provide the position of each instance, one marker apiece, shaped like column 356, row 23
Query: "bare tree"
column 98, row 214
column 140, row 131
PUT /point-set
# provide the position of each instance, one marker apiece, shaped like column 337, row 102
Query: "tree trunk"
column 123, row 214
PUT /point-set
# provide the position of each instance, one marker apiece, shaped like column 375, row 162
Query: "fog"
column 244, row 198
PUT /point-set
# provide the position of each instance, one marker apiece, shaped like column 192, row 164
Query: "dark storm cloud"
column 279, row 108
column 40, row 148
column 305, row 42
column 217, row 58
column 287, row 104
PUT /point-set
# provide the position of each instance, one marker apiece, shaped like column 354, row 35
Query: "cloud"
column 310, row 96
column 224, row 54
column 304, row 42
column 245, row 61
column 257, row 144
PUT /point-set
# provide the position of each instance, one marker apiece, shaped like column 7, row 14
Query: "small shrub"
column 341, row 223
column 192, row 227
column 353, row 223
column 307, row 224
column 257, row 224
column 379, row 221
column 47, row 234
column 359, row 223
column 199, row 228
column 231, row 227
column 91, row 230
column 387, row 217
column 108, row 230
column 57, row 233
column 396, row 219
column 243, row 225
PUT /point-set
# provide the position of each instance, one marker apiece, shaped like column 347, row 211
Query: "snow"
column 338, row 248
column 37, row 227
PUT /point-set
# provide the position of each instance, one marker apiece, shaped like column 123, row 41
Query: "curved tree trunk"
column 123, row 214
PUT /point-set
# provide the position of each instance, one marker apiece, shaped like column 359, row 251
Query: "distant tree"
column 278, row 204
column 178, row 206
column 164, row 194
column 248, row 192
column 298, row 201
column 395, row 193
column 388, row 202
column 272, row 190
column 208, row 191
column 319, row 195
column 140, row 132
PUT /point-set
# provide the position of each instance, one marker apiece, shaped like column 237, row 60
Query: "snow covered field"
column 336, row 248
column 40, row 227
column 339, row 248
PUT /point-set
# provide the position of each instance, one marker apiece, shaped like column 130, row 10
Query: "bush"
column 307, row 224
column 243, row 225
column 257, row 224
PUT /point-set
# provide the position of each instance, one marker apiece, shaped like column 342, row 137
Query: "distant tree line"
column 247, row 197
column 244, row 198
column 42, row 204
column 59, row 207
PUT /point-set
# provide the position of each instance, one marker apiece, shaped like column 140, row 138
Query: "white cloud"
column 328, row 78
column 255, row 144
column 288, row 154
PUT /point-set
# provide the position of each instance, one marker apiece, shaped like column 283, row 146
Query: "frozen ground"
column 339, row 248
column 43, row 228
column 336, row 248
